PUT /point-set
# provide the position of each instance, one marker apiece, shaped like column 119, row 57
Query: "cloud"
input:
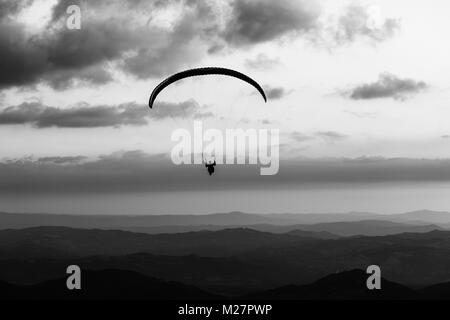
column 136, row 171
column 62, row 160
column 203, row 115
column 260, row 21
column 362, row 115
column 328, row 136
column 359, row 22
column 216, row 48
column 114, row 35
column 186, row 109
column 387, row 86
column 267, row 121
column 181, row 47
column 8, row 8
column 257, row 21
column 445, row 136
column 300, row 137
column 275, row 93
column 262, row 62
column 147, row 39
column 86, row 116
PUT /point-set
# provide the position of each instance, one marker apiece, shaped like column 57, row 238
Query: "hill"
column 113, row 284
column 28, row 220
column 423, row 216
column 347, row 285
column 232, row 261
column 69, row 242
column 367, row 228
column 106, row 284
column 277, row 223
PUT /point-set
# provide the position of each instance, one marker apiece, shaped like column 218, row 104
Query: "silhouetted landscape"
column 247, row 256
column 238, row 159
column 127, row 285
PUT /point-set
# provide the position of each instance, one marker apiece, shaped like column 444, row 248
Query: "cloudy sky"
column 360, row 91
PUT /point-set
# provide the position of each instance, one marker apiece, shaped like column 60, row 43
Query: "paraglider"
column 210, row 166
column 202, row 72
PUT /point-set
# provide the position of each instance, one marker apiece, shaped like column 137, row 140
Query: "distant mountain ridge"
column 233, row 254
column 26, row 220
column 327, row 230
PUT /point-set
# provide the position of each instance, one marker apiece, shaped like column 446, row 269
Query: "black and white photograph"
column 224, row 159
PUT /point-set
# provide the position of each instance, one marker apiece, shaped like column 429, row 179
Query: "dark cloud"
column 387, row 86
column 356, row 22
column 259, row 21
column 181, row 47
column 61, row 57
column 262, row 62
column 86, row 116
column 275, row 92
column 113, row 34
column 62, row 160
column 186, row 109
column 215, row 48
column 11, row 8
column 267, row 121
column 445, row 136
column 129, row 36
column 42, row 116
column 203, row 115
column 136, row 171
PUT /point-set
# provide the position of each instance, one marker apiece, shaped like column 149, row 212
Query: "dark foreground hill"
column 114, row 284
column 348, row 285
column 224, row 275
column 437, row 291
column 106, row 284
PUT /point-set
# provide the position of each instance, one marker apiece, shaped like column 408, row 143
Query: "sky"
column 358, row 89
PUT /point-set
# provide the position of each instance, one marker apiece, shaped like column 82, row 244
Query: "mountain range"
column 106, row 284
column 231, row 255
column 26, row 220
column 230, row 261
column 113, row 284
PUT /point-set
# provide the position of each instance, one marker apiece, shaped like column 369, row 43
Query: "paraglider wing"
column 201, row 72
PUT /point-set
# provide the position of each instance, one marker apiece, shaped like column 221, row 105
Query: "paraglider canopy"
column 201, row 72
